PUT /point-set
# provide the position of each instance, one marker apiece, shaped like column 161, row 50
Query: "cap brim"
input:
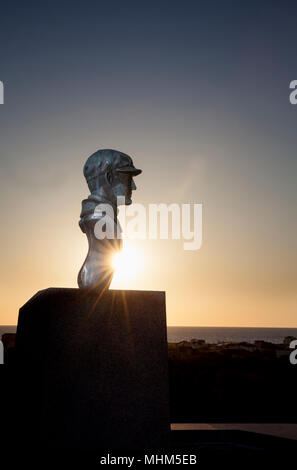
column 130, row 170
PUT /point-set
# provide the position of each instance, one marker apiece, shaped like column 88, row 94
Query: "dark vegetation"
column 209, row 383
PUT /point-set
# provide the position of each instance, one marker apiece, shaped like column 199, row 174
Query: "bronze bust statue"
column 109, row 175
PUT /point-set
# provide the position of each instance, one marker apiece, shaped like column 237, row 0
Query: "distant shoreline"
column 213, row 334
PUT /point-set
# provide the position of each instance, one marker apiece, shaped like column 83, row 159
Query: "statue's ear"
column 109, row 175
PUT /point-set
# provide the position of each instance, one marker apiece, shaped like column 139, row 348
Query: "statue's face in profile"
column 123, row 185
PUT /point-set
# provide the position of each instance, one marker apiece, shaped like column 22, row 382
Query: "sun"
column 127, row 263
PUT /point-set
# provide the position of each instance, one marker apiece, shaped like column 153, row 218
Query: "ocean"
column 213, row 334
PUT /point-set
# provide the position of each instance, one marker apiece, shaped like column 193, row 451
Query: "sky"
column 198, row 94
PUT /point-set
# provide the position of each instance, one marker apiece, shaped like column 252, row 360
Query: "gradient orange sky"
column 202, row 107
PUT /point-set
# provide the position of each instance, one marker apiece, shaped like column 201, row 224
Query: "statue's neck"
column 100, row 198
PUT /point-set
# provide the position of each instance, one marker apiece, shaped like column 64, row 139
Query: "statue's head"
column 109, row 173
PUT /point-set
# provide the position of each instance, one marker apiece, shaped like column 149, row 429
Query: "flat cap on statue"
column 119, row 161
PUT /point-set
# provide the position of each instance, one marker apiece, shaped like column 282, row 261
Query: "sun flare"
column 127, row 263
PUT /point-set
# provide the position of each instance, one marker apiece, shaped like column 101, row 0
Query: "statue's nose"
column 133, row 185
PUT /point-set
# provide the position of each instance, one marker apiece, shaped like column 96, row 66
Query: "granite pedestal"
column 94, row 370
